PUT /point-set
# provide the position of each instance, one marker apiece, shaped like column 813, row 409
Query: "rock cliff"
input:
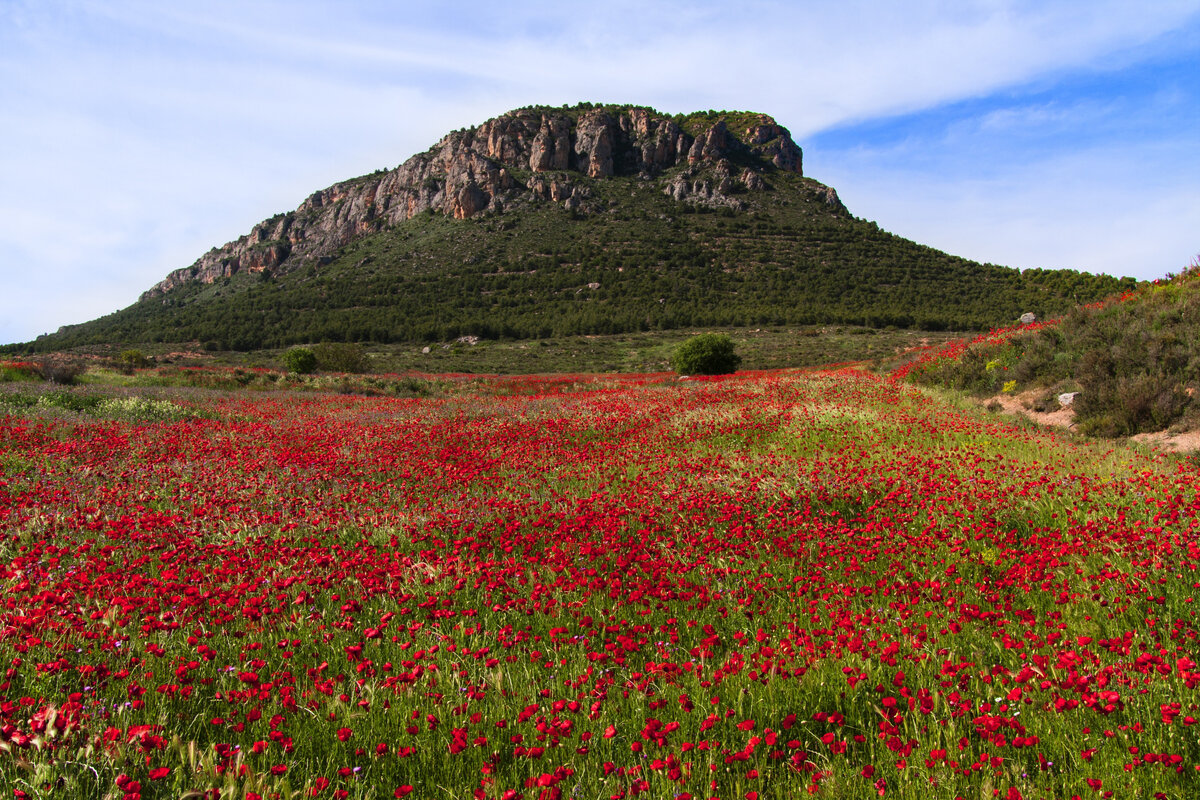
column 528, row 155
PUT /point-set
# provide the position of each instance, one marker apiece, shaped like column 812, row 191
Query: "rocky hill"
column 524, row 155
column 588, row 219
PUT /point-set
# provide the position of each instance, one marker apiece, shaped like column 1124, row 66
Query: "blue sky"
column 136, row 135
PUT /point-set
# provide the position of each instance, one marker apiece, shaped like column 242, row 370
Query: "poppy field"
column 767, row 585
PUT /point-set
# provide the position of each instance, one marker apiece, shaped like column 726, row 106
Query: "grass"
column 759, row 347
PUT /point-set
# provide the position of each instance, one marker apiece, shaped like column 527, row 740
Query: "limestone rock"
column 559, row 189
column 551, row 147
column 594, row 138
column 830, row 197
column 693, row 187
column 773, row 142
column 710, row 145
column 657, row 144
column 470, row 172
column 469, row 201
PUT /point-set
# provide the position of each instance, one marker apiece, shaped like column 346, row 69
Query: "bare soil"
column 1182, row 442
column 1167, row 441
column 1020, row 404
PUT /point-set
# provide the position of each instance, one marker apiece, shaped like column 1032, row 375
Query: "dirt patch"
column 1019, row 404
column 1179, row 442
column 1184, row 442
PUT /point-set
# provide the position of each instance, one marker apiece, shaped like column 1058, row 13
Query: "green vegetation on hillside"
column 644, row 262
column 1135, row 361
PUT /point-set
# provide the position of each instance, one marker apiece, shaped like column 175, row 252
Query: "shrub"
column 1126, row 405
column 300, row 360
column 69, row 401
column 129, row 360
column 706, row 354
column 340, row 356
column 65, row 373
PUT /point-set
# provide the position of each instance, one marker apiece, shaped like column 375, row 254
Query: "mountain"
column 589, row 219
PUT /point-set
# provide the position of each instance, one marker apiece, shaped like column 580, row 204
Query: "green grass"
column 759, row 347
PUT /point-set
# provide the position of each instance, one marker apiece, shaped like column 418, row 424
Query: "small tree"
column 129, row 360
column 706, row 354
column 300, row 360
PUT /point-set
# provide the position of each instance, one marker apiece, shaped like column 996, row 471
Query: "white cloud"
column 1128, row 211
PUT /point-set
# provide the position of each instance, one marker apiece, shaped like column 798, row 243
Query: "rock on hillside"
column 534, row 154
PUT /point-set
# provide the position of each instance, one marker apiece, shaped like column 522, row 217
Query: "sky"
column 135, row 136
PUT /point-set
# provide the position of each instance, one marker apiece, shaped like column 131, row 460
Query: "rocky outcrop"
column 264, row 248
column 470, row 172
column 594, row 141
column 656, row 143
column 773, row 142
column 551, row 148
column 708, row 189
column 573, row 196
column 753, row 181
column 829, row 196
column 711, row 145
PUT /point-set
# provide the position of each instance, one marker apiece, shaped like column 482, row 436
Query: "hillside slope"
column 550, row 222
column 1127, row 366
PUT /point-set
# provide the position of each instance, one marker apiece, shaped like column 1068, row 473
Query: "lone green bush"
column 129, row 360
column 300, row 360
column 706, row 354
